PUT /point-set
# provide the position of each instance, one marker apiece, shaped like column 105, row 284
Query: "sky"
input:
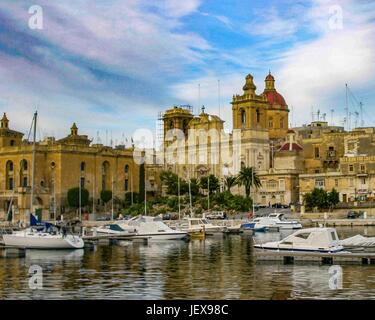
column 111, row 66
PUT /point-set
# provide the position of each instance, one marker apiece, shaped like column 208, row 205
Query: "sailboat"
column 41, row 235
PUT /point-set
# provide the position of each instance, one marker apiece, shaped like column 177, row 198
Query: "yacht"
column 193, row 225
column 271, row 221
column 42, row 236
column 324, row 240
column 115, row 229
column 152, row 228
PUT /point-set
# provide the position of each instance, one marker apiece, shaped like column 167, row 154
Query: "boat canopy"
column 316, row 237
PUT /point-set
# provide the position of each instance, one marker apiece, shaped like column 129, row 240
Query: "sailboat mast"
column 179, row 201
column 33, row 162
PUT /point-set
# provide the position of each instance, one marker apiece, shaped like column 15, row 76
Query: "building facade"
column 59, row 166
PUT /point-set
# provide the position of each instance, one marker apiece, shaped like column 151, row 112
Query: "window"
column 319, row 183
column 83, row 166
column 363, row 168
column 270, row 123
column 258, row 115
column 363, row 180
column 272, row 184
column 12, row 143
column 24, row 182
column 317, row 152
column 171, row 124
column 351, row 182
column 127, row 168
column 317, row 171
column 333, row 236
column 10, row 184
column 9, row 166
column 303, row 235
column 351, row 168
column 282, row 184
column 281, row 123
column 42, row 183
column 336, row 182
column 243, row 117
column 126, row 186
column 24, row 165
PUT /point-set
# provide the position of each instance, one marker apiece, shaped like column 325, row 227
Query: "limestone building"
column 60, row 165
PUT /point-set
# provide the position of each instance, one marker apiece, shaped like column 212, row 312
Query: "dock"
column 290, row 257
column 12, row 252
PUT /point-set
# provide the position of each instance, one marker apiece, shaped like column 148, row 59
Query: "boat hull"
column 158, row 236
column 42, row 242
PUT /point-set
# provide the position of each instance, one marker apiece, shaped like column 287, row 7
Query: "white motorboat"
column 152, row 228
column 193, row 225
column 31, row 238
column 324, row 240
column 276, row 220
column 115, row 229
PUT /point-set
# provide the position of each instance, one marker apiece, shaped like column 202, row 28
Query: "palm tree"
column 247, row 177
column 229, row 182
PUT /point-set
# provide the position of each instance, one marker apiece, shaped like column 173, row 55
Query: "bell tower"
column 74, row 130
column 4, row 122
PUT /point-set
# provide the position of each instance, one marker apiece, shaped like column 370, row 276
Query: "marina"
column 226, row 267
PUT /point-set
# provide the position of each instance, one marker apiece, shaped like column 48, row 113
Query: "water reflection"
column 217, row 268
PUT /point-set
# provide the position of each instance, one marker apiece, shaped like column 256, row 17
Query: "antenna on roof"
column 332, row 111
column 361, row 111
column 218, row 96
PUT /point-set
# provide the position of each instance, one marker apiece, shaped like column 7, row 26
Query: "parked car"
column 103, row 218
column 216, row 215
column 353, row 215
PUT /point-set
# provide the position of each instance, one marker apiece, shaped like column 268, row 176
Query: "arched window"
column 9, row 175
column 258, row 115
column 23, row 173
column 127, row 168
column 83, row 166
column 9, row 166
column 243, row 117
column 24, row 165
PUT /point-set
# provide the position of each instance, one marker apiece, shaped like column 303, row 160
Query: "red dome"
column 273, row 97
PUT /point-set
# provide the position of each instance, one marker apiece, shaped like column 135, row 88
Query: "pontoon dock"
column 289, row 257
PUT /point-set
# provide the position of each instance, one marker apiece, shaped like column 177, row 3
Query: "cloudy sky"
column 112, row 65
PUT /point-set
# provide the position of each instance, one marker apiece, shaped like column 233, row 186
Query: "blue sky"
column 112, row 66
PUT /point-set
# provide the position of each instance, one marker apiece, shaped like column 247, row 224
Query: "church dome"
column 275, row 98
column 270, row 77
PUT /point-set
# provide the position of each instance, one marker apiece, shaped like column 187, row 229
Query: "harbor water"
column 216, row 268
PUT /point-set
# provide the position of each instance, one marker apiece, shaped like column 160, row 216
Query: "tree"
column 170, row 179
column 209, row 182
column 229, row 182
column 73, row 197
column 248, row 178
column 333, row 198
column 128, row 198
column 194, row 186
column 106, row 195
column 320, row 199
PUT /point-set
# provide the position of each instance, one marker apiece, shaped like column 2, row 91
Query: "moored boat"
column 323, row 240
